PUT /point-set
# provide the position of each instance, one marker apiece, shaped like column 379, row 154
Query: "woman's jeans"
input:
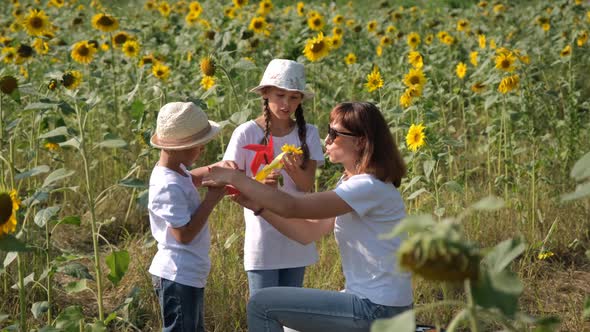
column 181, row 306
column 259, row 279
column 310, row 310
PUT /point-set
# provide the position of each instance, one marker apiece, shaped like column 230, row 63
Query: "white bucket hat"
column 182, row 126
column 284, row 74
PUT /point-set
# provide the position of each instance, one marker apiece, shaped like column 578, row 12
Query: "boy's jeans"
column 259, row 279
column 313, row 310
column 181, row 306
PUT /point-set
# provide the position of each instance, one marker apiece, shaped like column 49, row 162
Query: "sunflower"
column 379, row 50
column 291, row 148
column 131, row 48
column 505, row 62
column 508, row 84
column 207, row 65
column 164, row 8
column 473, row 58
column 416, row 137
column 207, row 82
column 405, row 100
column 415, row 77
column 161, row 71
column 9, row 204
column 492, row 44
column 83, row 52
column 413, row 40
column 350, row 59
column 150, row 5
column 386, row 41
column 258, row 24
column 230, row 12
column 23, row 53
column 147, row 60
column 374, row 80
column 463, row 25
column 316, row 23
column 337, row 31
column 105, row 22
column 390, row 29
column 372, row 26
column 52, row 85
column 8, row 54
column 8, row 84
column 449, row 40
column 566, row 51
column 546, row 27
column 180, row 7
column 441, row 35
column 5, row 40
column 191, row 19
column 478, row 87
column 240, row 3
column 482, row 41
column 461, row 70
column 51, row 146
column 415, row 59
column 428, row 39
column 335, row 41
column 499, row 8
column 18, row 13
column 582, row 38
column 71, row 79
column 120, row 38
column 36, row 22
column 338, row 19
column 482, row 4
column 265, row 7
column 316, row 47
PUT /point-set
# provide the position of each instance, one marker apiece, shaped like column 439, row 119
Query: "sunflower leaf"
column 32, row 172
column 43, row 216
column 11, row 243
column 59, row 131
column 57, row 175
column 112, row 143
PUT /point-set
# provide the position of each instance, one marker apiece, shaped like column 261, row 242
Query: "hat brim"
column 306, row 94
column 211, row 134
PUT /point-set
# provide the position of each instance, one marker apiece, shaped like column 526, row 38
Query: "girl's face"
column 342, row 146
column 282, row 103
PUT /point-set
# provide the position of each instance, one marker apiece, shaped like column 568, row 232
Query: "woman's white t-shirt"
column 265, row 248
column 368, row 262
column 172, row 201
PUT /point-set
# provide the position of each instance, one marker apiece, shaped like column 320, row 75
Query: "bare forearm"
column 272, row 199
column 304, row 182
column 300, row 230
column 198, row 220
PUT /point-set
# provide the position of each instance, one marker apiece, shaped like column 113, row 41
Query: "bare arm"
column 198, row 173
column 185, row 234
column 310, row 206
column 303, row 178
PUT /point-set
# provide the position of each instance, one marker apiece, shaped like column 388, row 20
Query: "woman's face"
column 342, row 146
column 282, row 103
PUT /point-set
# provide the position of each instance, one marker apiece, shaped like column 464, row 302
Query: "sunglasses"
column 332, row 133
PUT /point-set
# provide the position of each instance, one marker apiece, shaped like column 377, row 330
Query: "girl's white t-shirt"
column 368, row 262
column 265, row 248
column 172, row 200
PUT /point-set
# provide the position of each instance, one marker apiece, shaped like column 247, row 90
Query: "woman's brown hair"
column 379, row 154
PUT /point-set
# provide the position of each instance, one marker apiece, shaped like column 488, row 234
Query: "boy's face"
column 192, row 155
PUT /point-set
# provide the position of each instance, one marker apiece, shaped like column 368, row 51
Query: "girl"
column 270, row 258
column 364, row 205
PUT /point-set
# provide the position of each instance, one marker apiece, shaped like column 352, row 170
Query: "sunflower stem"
column 1, row 140
column 233, row 88
column 91, row 203
column 471, row 307
column 113, row 69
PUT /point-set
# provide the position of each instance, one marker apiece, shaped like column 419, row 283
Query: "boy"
column 178, row 218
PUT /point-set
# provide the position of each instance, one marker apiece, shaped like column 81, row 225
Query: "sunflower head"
column 207, row 82
column 316, row 23
column 478, row 87
column 508, row 84
column 71, row 79
column 83, row 52
column 461, row 70
column 566, row 51
column 120, row 38
column 413, row 40
column 374, row 80
column 9, row 204
column 291, row 148
column 207, row 65
column 350, row 59
column 52, row 85
column 8, row 84
column 105, row 22
column 24, row 52
column 131, row 48
column 161, row 71
column 36, row 23
column 316, row 47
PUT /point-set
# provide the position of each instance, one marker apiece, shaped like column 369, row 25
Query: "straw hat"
column 284, row 74
column 182, row 126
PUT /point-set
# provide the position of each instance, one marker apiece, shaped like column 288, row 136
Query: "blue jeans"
column 310, row 310
column 181, row 306
column 259, row 279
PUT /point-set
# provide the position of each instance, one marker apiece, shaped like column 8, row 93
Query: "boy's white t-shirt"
column 369, row 263
column 265, row 248
column 173, row 199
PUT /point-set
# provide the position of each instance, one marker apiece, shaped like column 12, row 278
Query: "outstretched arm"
column 198, row 173
column 310, row 206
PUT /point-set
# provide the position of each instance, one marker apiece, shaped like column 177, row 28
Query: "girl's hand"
column 273, row 178
column 219, row 176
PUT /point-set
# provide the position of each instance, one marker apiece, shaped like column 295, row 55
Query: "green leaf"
column 488, row 203
column 59, row 131
column 112, row 143
column 57, row 175
column 503, row 254
column 70, row 220
column 497, row 290
column 76, row 286
column 10, row 243
column 133, row 183
column 428, row 167
column 404, row 322
column 582, row 190
column 69, row 319
column 97, row 326
column 32, row 172
column 240, row 117
column 40, row 106
column 10, row 257
column 547, row 324
column 490, row 101
column 73, row 142
column 110, row 317
column 43, row 216
column 39, row 308
column 581, row 169
column 586, row 312
column 411, row 224
column 412, row 182
column 118, row 263
column 137, row 109
column 416, row 193
column 76, row 270
column 454, row 186
column 49, row 329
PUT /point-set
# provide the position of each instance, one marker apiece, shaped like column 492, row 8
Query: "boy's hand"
column 215, row 194
column 226, row 164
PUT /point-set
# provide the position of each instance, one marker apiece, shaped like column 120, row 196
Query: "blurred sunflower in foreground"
column 9, row 204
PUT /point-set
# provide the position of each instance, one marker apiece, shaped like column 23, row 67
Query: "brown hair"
column 379, row 155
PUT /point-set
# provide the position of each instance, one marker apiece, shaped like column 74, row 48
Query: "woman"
column 364, row 205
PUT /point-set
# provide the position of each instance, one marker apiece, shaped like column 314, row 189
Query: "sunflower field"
column 489, row 102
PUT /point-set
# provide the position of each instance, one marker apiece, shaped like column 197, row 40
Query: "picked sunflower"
column 131, row 48
column 161, row 71
column 374, row 80
column 9, row 204
column 36, row 23
column 350, row 59
column 71, row 79
column 105, row 22
column 83, row 52
column 316, row 47
column 505, row 61
column 416, row 137
column 413, row 40
column 508, row 84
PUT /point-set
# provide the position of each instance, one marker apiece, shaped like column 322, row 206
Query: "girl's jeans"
column 310, row 310
column 258, row 279
column 181, row 306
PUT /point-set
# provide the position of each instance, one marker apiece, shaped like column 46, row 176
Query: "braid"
column 267, row 117
column 302, row 131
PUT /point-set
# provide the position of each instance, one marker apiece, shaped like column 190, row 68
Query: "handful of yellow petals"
column 277, row 163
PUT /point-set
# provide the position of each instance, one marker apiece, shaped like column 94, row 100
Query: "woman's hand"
column 219, row 176
column 245, row 202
